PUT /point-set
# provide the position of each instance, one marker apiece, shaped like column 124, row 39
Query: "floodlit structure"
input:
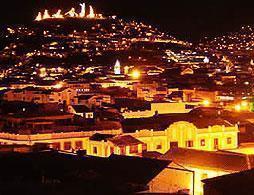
column 91, row 12
column 46, row 15
column 71, row 13
column 117, row 68
column 57, row 14
column 38, row 17
column 83, row 10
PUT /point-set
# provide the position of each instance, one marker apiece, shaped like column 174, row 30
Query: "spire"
column 117, row 67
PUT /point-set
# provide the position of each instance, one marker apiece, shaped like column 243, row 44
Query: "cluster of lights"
column 243, row 106
column 206, row 103
column 71, row 13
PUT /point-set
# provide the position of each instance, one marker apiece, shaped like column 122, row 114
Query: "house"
column 105, row 145
column 150, row 91
column 235, row 183
column 92, row 100
column 42, row 96
column 189, row 167
column 81, row 110
column 79, row 86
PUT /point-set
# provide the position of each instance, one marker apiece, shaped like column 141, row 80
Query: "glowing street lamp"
column 206, row 103
column 238, row 107
column 244, row 103
column 59, row 85
column 135, row 74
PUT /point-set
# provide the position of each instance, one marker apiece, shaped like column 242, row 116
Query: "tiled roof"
column 227, row 161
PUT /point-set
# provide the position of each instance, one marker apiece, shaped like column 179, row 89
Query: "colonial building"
column 179, row 134
column 187, row 135
column 105, row 145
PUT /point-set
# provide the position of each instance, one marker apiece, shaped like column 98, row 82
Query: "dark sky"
column 187, row 19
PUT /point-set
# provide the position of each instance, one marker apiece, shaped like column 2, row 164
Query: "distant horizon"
column 189, row 21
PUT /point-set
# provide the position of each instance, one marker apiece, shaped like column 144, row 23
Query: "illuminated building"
column 117, row 68
column 161, row 108
column 189, row 167
column 179, row 134
column 42, row 96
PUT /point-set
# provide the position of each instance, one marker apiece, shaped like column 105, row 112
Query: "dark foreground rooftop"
column 52, row 172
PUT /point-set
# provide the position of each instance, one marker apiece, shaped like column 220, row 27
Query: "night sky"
column 184, row 19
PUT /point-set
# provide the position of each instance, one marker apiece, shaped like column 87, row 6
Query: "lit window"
column 78, row 144
column 67, row 145
column 202, row 142
column 95, row 150
column 134, row 149
column 229, row 140
column 189, row 143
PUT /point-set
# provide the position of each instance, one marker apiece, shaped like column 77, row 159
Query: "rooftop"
column 221, row 160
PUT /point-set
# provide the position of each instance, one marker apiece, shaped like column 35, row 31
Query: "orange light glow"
column 135, row 74
column 238, row 107
column 206, row 103
column 59, row 85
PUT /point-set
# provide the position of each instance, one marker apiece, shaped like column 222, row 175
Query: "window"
column 189, row 143
column 202, row 142
column 158, row 147
column 122, row 150
column 111, row 150
column 79, row 145
column 144, row 147
column 229, row 140
column 56, row 146
column 95, row 150
column 216, row 143
column 173, row 144
column 134, row 149
column 187, row 106
column 67, row 145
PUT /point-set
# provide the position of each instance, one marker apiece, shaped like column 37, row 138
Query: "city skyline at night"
column 126, row 97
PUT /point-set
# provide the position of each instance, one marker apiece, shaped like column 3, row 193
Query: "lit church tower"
column 117, row 67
